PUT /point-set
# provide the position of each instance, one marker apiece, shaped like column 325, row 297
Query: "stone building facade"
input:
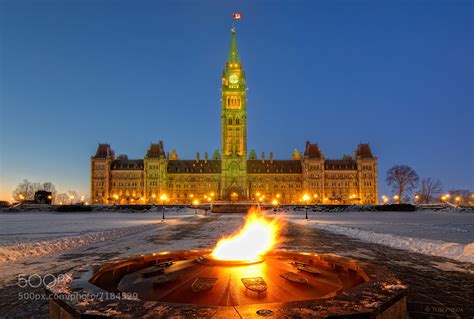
column 232, row 174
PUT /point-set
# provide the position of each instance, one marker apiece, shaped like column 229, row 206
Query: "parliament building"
column 233, row 174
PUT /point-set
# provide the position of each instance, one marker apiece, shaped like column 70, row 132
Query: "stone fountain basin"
column 168, row 284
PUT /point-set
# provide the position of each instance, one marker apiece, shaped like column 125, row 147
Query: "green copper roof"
column 233, row 53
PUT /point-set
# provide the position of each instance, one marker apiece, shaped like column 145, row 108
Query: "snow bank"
column 22, row 250
column 461, row 252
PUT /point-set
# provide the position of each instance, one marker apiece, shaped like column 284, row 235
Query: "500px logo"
column 36, row 280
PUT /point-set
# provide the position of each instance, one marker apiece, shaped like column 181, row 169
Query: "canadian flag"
column 236, row 16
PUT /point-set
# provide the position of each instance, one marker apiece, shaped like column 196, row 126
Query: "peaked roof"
column 233, row 56
column 312, row 150
column 104, row 150
column 274, row 167
column 156, row 151
column 363, row 150
column 343, row 165
column 194, row 167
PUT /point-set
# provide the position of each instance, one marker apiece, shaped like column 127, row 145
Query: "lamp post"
column 458, row 200
column 163, row 198
column 396, row 199
column 195, row 204
column 274, row 204
column 305, row 201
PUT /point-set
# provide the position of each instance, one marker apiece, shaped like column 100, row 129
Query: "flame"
column 258, row 236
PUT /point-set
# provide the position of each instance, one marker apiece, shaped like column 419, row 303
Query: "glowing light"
column 278, row 195
column 258, row 236
column 306, row 197
column 164, row 197
column 458, row 198
column 274, row 202
column 258, row 194
column 154, row 196
column 195, row 202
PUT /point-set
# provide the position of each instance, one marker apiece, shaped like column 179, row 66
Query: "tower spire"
column 233, row 56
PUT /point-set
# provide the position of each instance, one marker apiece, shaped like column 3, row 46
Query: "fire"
column 258, row 236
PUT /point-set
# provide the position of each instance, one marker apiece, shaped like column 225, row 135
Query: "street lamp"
column 195, row 204
column 71, row 198
column 163, row 198
column 396, row 198
column 458, row 199
column 305, row 200
column 274, row 204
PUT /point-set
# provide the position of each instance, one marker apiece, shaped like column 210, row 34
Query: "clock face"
column 233, row 78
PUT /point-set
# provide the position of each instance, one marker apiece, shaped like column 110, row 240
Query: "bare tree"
column 24, row 191
column 49, row 187
column 429, row 189
column 72, row 195
column 402, row 178
column 61, row 198
column 461, row 196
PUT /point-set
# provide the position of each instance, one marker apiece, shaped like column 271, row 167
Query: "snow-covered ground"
column 26, row 235
column 29, row 234
column 444, row 234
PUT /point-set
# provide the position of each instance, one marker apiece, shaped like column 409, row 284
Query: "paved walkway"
column 438, row 287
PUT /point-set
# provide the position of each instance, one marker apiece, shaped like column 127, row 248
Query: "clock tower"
column 234, row 127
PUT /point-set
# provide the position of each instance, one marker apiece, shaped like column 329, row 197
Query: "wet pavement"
column 438, row 287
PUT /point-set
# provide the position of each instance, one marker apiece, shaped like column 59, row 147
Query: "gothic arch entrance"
column 234, row 193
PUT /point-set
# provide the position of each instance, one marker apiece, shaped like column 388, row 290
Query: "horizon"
column 76, row 76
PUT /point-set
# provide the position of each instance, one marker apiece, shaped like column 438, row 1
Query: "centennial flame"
column 258, row 236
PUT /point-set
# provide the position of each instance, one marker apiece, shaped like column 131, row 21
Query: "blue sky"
column 396, row 74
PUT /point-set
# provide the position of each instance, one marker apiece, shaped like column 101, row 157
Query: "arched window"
column 237, row 121
column 230, row 121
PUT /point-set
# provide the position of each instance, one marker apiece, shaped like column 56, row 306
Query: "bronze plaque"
column 203, row 283
column 310, row 270
column 153, row 271
column 294, row 277
column 162, row 279
column 256, row 284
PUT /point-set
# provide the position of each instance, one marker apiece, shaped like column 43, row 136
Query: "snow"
column 34, row 239
column 34, row 234
column 444, row 234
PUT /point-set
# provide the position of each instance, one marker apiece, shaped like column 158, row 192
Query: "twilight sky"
column 396, row 74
